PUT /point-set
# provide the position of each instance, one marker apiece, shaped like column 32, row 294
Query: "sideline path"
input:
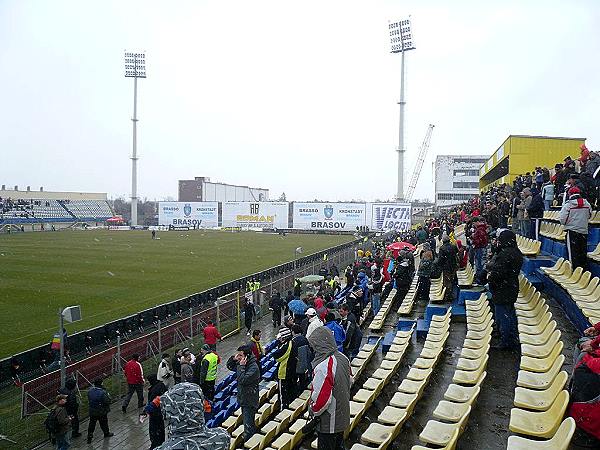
column 129, row 433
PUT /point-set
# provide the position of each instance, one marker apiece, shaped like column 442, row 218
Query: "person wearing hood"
column 480, row 242
column 535, row 212
column 362, row 280
column 575, row 215
column 244, row 364
column 249, row 314
column 424, row 274
column 336, row 329
column 156, row 424
column 503, row 280
column 330, row 396
column 164, row 372
column 313, row 321
column 72, row 405
column 183, row 411
column 448, row 262
column 286, row 368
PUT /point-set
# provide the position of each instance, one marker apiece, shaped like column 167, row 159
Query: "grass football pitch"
column 112, row 274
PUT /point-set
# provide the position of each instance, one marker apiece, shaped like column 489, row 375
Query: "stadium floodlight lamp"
column 401, row 40
column 135, row 67
column 70, row 314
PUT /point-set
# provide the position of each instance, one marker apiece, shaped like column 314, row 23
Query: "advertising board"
column 390, row 216
column 329, row 216
column 191, row 214
column 255, row 214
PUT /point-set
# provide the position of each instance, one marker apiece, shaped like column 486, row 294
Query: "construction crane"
column 419, row 164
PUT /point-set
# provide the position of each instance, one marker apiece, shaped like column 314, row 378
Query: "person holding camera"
column 248, row 377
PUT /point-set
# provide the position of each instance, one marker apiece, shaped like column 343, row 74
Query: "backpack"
column 51, row 422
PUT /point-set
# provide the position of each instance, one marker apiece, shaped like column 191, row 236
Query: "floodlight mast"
column 135, row 67
column 401, row 41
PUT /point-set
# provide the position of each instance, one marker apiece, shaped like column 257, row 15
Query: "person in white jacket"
column 165, row 373
column 313, row 321
column 574, row 216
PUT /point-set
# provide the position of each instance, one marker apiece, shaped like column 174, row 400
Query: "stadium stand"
column 44, row 210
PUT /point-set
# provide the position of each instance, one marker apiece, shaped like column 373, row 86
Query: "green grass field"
column 112, row 274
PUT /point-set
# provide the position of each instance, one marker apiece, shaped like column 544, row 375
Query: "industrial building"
column 201, row 189
column 457, row 178
column 520, row 154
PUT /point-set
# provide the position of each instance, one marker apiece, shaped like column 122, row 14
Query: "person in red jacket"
column 585, row 393
column 134, row 374
column 211, row 334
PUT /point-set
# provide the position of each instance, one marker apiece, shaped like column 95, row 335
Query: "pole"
column 191, row 324
column 63, row 375
column 401, row 132
column 134, row 158
column 119, row 361
column 218, row 315
column 239, row 313
column 159, row 338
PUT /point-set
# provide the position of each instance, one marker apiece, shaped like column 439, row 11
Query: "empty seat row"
column 452, row 413
column 555, row 215
column 595, row 255
column 437, row 291
column 379, row 319
column 409, row 299
column 389, row 422
column 529, row 247
column 552, row 230
column 583, row 289
column 466, row 276
column 360, row 361
column 540, row 398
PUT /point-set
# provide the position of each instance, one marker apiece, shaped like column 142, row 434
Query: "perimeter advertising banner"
column 181, row 214
column 330, row 216
column 390, row 216
column 255, row 214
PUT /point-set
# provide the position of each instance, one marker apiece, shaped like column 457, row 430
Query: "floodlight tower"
column 135, row 67
column 401, row 41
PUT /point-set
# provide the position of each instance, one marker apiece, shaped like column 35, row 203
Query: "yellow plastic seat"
column 382, row 374
column 475, row 335
column 542, row 350
column 541, row 364
column 560, row 440
column 411, row 387
column 451, row 411
column 364, row 396
column 357, row 408
column 373, row 384
column 471, row 364
column 529, row 321
column 388, row 364
column 283, row 442
column 417, row 374
column 440, row 433
column 296, row 431
column 431, row 353
column 541, row 309
column 559, row 262
column 260, row 441
column 399, row 349
column 474, row 353
column 424, row 363
column 469, row 377
column 378, row 433
column 540, row 400
column 541, row 380
column 403, row 400
column 535, row 329
column 231, row 423
column 542, row 424
column 542, row 338
column 461, row 394
column 392, row 416
column 477, row 343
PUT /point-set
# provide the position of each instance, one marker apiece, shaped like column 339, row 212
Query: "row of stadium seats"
column 595, row 255
column 409, row 299
column 529, row 247
column 554, row 215
column 540, row 398
column 389, row 423
column 437, row 291
column 452, row 413
column 552, row 230
column 57, row 210
column 581, row 287
column 379, row 319
column 83, row 209
column 465, row 276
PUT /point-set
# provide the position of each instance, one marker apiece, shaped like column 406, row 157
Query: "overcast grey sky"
column 293, row 96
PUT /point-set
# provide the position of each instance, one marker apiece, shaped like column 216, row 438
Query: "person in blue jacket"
column 338, row 332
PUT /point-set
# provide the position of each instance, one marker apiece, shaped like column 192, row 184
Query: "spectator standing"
column 302, row 355
column 535, row 212
column 156, row 424
column 62, row 433
column 421, row 234
column 503, row 279
column 575, row 215
column 72, row 405
column 448, row 262
column 249, row 314
column 211, row 335
column 285, row 377
column 548, row 195
column 480, row 243
column 330, row 397
column 164, row 372
column 313, row 321
column 99, row 407
column 524, row 207
column 177, row 365
column 187, row 371
column 339, row 335
column 377, row 287
column 256, row 346
column 248, row 378
column 208, row 367
column 424, row 274
column 503, row 211
column 183, row 410
column 134, row 375
column 352, row 330
column 275, row 305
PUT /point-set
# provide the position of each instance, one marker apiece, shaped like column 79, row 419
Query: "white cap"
column 311, row 312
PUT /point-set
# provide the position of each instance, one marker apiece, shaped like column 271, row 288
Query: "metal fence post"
column 159, row 338
column 118, row 365
column 191, row 324
column 218, row 320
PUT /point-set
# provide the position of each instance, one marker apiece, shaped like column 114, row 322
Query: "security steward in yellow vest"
column 207, row 373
